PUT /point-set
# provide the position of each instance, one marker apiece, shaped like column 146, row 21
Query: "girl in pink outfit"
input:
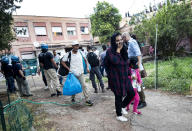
column 136, row 83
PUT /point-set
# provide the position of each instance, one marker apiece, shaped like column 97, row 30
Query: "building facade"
column 57, row 32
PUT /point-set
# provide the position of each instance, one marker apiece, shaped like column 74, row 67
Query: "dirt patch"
column 164, row 111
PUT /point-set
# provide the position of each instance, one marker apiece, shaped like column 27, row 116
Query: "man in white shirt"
column 76, row 67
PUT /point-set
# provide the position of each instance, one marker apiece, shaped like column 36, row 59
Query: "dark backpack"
column 62, row 70
column 92, row 59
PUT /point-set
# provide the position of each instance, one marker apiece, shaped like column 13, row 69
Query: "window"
column 57, row 31
column 71, row 30
column 84, row 30
column 40, row 31
column 22, row 31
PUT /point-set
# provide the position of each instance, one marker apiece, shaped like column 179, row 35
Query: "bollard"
column 2, row 117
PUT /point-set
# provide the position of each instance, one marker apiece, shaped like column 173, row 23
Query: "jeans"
column 102, row 68
column 95, row 71
column 10, row 84
column 61, row 80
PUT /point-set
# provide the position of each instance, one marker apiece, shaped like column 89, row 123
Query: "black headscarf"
column 123, row 52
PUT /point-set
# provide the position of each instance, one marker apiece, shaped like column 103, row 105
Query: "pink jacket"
column 137, row 75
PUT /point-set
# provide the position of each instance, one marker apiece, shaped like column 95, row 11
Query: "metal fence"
column 173, row 74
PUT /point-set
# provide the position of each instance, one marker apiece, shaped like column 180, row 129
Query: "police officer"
column 49, row 65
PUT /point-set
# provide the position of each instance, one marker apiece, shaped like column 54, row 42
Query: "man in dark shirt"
column 20, row 77
column 7, row 70
column 49, row 66
column 94, row 62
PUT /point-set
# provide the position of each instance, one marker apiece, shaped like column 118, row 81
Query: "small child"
column 136, row 83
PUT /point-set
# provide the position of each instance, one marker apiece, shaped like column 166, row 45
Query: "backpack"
column 62, row 70
column 92, row 59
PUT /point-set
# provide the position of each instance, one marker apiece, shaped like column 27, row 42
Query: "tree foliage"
column 104, row 21
column 7, row 7
column 174, row 23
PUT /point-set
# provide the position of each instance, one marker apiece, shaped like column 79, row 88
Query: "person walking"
column 134, row 51
column 7, row 71
column 57, row 61
column 94, row 62
column 20, row 77
column 76, row 67
column 102, row 57
column 117, row 67
column 49, row 65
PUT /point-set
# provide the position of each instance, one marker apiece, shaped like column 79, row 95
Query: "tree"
column 174, row 23
column 104, row 21
column 7, row 7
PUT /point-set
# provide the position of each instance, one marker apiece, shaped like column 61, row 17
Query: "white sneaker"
column 121, row 118
column 46, row 87
column 124, row 111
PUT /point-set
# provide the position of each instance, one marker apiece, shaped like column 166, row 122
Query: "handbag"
column 62, row 70
column 72, row 85
column 143, row 73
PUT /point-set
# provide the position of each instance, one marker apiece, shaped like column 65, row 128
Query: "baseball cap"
column 75, row 43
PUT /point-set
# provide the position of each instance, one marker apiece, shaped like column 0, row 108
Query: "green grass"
column 173, row 75
column 104, row 79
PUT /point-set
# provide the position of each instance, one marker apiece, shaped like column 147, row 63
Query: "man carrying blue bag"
column 76, row 67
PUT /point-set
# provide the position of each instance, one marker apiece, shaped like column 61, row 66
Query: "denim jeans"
column 10, row 83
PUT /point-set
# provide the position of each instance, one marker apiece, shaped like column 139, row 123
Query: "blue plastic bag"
column 72, row 85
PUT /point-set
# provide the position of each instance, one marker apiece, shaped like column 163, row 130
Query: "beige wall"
column 19, row 45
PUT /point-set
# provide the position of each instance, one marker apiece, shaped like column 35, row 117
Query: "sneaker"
column 89, row 103
column 124, row 111
column 53, row 94
column 72, row 100
column 121, row 118
column 141, row 105
column 137, row 112
column 24, row 95
column 46, row 88
column 58, row 93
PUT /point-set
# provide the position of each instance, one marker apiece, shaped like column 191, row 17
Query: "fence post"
column 156, row 60
column 2, row 117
